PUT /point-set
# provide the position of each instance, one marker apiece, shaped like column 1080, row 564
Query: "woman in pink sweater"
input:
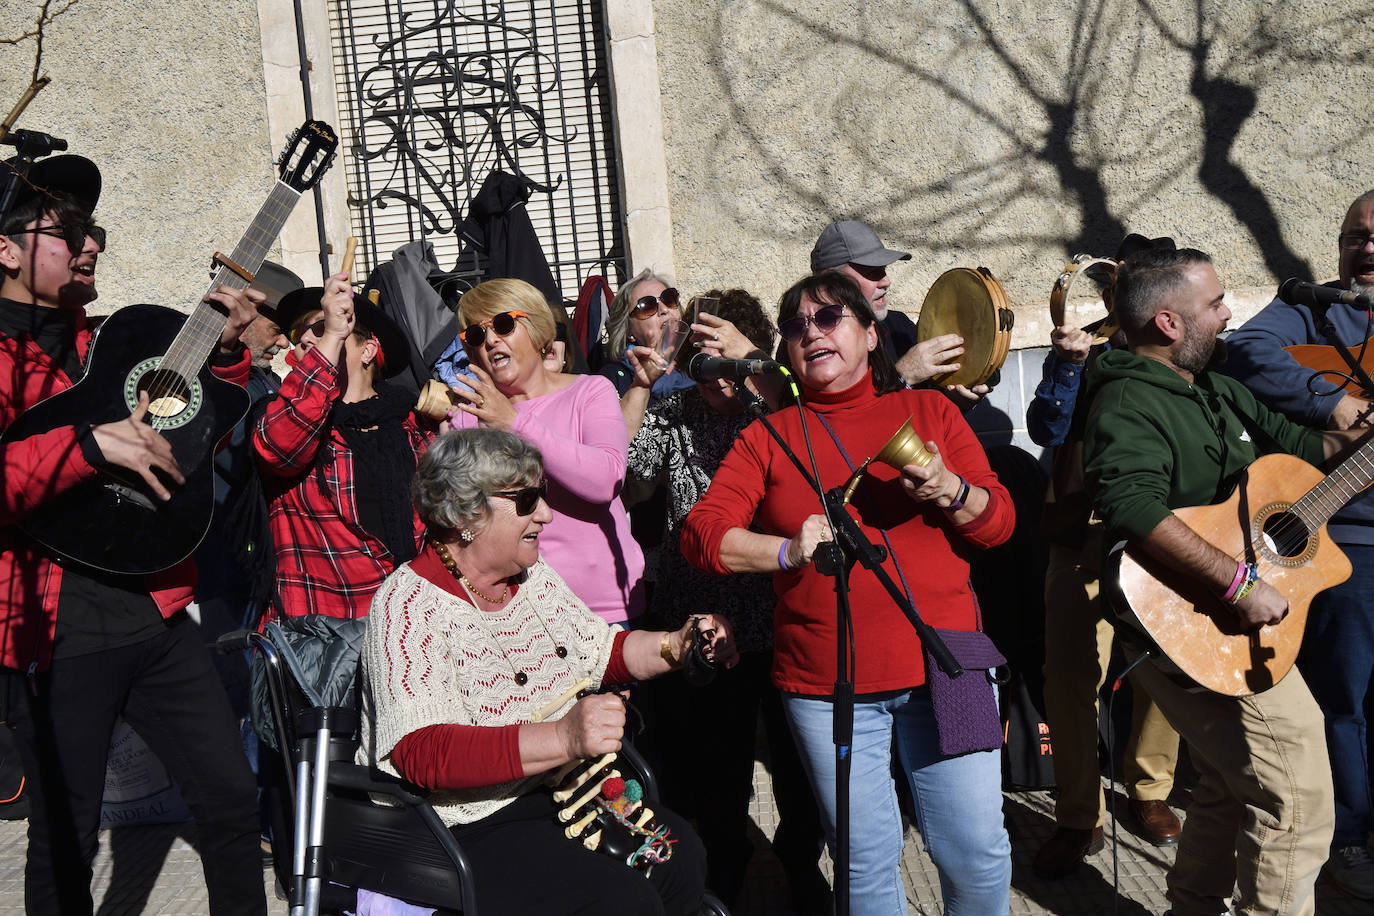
column 575, row 421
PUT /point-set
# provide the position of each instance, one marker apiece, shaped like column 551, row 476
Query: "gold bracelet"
column 665, row 650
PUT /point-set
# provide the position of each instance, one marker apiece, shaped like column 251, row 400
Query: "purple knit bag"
column 966, row 715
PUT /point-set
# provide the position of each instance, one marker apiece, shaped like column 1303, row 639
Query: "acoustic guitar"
column 1276, row 519
column 1328, row 361
column 112, row 521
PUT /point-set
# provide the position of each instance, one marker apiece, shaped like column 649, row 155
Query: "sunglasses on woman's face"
column 296, row 334
column 503, row 323
column 826, row 319
column 526, row 498
column 648, row 305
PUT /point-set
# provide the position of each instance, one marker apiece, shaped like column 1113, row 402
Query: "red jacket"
column 51, row 463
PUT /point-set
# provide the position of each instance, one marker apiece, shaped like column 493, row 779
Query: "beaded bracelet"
column 782, row 556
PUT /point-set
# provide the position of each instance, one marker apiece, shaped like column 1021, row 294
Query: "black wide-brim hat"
column 75, row 178
column 395, row 348
column 274, row 281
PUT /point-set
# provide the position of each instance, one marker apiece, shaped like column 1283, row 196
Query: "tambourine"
column 972, row 304
column 1080, row 311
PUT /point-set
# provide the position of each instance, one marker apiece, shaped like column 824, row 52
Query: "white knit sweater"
column 430, row 658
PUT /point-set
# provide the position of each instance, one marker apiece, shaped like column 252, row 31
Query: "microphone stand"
column 31, row 145
column 834, row 559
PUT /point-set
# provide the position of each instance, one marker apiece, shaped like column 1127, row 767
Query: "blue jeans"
column 1337, row 661
column 958, row 804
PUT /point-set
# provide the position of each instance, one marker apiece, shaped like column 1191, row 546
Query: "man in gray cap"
column 852, row 248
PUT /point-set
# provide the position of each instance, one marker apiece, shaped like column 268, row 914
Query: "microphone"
column 704, row 368
column 1314, row 295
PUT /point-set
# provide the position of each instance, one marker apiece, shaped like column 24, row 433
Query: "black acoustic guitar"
column 113, row 522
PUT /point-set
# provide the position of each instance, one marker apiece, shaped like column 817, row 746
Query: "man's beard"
column 1199, row 354
column 1360, row 289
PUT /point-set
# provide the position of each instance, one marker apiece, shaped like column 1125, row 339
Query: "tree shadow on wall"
column 1091, row 86
column 1226, row 105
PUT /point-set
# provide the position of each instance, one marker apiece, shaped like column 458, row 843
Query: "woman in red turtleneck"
column 760, row 516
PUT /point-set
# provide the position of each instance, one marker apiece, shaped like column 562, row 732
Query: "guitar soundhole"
column 168, row 393
column 173, row 400
column 1285, row 535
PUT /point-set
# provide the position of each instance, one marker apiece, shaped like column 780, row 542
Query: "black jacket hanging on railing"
column 499, row 241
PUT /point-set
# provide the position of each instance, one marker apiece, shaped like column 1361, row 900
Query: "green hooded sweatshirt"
column 1154, row 442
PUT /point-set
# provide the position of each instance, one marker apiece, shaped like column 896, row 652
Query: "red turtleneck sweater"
column 757, row 486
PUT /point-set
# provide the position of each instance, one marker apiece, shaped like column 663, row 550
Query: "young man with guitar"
column 1337, row 657
column 80, row 646
column 1165, row 433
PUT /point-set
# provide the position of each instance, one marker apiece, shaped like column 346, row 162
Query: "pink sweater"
column 581, row 433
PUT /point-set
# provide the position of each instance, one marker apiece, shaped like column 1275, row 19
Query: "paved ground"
column 155, row 870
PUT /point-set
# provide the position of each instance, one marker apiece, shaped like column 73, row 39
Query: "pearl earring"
column 466, row 535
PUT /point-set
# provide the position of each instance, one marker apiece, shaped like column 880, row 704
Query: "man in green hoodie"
column 1165, row 433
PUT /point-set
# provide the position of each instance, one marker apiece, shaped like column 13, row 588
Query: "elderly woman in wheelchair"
column 483, row 684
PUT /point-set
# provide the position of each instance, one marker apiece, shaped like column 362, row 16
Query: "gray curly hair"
column 462, row 468
column 618, row 322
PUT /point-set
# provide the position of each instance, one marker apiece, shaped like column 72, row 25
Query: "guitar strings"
column 1327, row 497
column 175, row 374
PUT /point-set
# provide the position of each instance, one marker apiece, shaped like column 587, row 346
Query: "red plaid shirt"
column 326, row 562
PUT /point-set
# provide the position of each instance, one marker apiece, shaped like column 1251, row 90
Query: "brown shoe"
column 1155, row 822
column 1065, row 849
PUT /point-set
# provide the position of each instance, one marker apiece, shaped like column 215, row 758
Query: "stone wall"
column 967, row 131
column 167, row 97
column 1012, row 135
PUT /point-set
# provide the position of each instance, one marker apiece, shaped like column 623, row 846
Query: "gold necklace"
column 505, row 592
column 447, row 559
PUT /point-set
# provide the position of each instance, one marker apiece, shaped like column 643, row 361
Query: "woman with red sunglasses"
column 575, row 421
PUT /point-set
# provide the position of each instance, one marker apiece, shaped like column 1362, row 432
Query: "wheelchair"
column 331, row 835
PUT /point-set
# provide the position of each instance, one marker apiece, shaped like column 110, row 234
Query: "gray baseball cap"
column 852, row 242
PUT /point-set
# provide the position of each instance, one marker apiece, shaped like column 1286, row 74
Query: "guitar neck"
column 203, row 327
column 1349, row 478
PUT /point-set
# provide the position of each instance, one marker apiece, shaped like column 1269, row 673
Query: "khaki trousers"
column 1078, row 648
column 1263, row 813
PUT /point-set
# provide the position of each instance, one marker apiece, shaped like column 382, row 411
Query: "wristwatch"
column 958, row 502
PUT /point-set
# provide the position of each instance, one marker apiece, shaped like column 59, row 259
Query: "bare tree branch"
column 45, row 17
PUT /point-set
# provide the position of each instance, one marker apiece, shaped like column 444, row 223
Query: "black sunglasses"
column 1352, row 241
column 826, row 319
column 503, row 323
column 74, row 234
column 295, row 334
column 526, row 498
column 648, row 305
